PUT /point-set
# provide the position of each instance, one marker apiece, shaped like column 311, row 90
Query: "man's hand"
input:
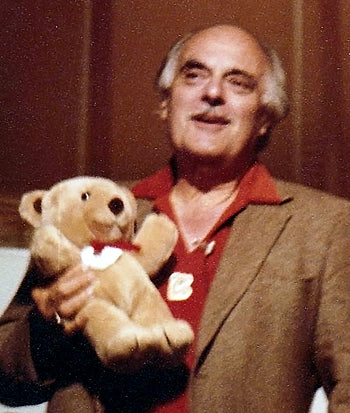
column 65, row 297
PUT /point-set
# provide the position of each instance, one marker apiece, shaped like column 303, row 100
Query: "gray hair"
column 274, row 99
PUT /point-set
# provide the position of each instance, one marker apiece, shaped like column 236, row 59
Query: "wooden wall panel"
column 101, row 94
column 77, row 90
column 342, row 179
column 44, row 49
column 322, row 95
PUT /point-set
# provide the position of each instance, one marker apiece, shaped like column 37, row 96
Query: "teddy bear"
column 92, row 220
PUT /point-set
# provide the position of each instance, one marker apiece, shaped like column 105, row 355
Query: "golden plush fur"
column 128, row 323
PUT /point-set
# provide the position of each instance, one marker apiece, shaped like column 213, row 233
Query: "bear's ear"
column 30, row 207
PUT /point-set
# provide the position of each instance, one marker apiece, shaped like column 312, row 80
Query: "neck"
column 208, row 175
column 202, row 193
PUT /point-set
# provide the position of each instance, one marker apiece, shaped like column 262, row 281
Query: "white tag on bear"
column 102, row 260
column 179, row 286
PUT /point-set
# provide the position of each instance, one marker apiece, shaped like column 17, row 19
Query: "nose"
column 213, row 93
column 116, row 205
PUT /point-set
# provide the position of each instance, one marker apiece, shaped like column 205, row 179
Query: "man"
column 260, row 267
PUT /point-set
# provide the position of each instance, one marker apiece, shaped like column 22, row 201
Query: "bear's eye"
column 85, row 196
column 116, row 205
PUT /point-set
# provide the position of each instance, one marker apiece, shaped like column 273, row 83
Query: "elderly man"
column 260, row 267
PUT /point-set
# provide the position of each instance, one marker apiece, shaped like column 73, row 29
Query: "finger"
column 66, row 295
column 76, row 324
column 81, row 318
column 70, row 326
column 41, row 298
column 67, row 291
column 73, row 281
column 69, row 307
column 78, row 318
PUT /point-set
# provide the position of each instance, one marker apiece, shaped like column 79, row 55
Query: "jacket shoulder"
column 310, row 197
column 314, row 211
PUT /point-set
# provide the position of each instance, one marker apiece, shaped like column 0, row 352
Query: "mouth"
column 211, row 119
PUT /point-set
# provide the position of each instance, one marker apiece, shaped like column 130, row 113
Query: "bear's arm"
column 52, row 251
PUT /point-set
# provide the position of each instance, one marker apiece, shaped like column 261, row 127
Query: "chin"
column 210, row 152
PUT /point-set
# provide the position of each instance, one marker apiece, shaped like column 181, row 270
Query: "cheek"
column 246, row 112
column 178, row 112
column 245, row 104
column 183, row 98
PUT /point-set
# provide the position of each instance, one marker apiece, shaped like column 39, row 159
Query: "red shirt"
column 256, row 187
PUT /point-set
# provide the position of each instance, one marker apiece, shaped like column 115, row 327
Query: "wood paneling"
column 323, row 95
column 77, row 93
column 13, row 231
column 44, row 72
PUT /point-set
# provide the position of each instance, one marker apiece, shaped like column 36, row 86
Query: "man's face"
column 214, row 109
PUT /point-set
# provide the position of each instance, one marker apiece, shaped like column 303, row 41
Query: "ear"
column 30, row 207
column 264, row 123
column 264, row 128
column 163, row 109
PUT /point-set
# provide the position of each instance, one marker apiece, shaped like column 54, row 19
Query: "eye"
column 116, row 205
column 242, row 84
column 191, row 74
column 85, row 196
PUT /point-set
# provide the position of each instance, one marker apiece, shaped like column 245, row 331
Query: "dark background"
column 77, row 86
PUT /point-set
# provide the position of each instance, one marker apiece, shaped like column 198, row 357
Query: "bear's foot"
column 134, row 347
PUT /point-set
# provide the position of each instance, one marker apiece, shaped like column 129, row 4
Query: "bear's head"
column 83, row 209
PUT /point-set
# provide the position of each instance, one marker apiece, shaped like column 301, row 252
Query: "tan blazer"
column 276, row 323
column 277, row 320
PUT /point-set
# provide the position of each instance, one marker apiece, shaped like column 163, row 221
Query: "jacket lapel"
column 254, row 233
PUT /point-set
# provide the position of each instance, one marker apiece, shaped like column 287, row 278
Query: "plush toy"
column 127, row 321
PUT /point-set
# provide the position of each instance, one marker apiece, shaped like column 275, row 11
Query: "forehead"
column 225, row 48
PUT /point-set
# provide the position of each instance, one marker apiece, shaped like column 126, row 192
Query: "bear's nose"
column 116, row 205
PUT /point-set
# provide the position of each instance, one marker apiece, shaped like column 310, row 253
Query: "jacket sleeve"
column 19, row 380
column 333, row 327
column 36, row 357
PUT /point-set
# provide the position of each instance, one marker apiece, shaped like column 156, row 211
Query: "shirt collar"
column 256, row 187
column 156, row 185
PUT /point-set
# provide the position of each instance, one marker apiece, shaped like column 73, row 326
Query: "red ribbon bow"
column 123, row 245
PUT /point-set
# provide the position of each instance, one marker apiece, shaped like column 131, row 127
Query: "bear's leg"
column 104, row 323
column 119, row 342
